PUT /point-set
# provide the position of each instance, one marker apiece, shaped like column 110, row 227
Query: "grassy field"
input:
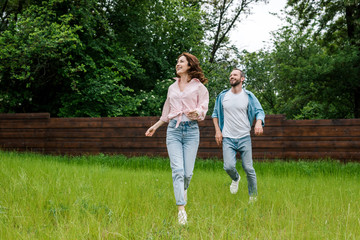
column 114, row 197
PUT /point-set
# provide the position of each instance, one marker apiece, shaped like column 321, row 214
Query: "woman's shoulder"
column 174, row 83
column 197, row 82
column 203, row 87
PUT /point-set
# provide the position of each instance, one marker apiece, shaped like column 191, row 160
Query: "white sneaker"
column 185, row 195
column 234, row 186
column 182, row 217
column 252, row 199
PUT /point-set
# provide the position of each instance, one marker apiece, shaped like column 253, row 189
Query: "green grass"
column 114, row 197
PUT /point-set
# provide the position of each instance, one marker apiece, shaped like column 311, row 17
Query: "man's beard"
column 234, row 84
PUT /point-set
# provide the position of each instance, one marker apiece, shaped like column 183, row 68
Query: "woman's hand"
column 150, row 131
column 193, row 115
column 153, row 128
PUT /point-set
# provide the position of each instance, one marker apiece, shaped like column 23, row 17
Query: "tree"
column 312, row 70
column 10, row 7
column 221, row 18
column 32, row 49
column 300, row 78
column 260, row 78
column 61, row 57
column 156, row 33
column 308, row 76
column 336, row 25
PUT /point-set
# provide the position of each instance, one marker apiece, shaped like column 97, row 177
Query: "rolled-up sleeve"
column 166, row 109
column 255, row 109
column 203, row 102
column 215, row 113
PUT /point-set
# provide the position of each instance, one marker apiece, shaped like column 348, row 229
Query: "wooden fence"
column 282, row 139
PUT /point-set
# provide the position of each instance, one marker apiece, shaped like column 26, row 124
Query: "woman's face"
column 182, row 66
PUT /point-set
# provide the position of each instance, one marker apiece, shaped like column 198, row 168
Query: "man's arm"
column 218, row 134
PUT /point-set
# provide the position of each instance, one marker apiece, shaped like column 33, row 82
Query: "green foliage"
column 110, row 58
column 218, row 76
column 99, row 89
column 334, row 26
column 301, row 78
column 32, row 50
column 99, row 94
column 156, row 33
column 64, row 60
column 151, row 102
column 260, row 78
column 307, row 72
column 84, row 58
column 315, row 110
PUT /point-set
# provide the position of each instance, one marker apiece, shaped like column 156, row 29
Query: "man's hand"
column 218, row 134
column 218, row 137
column 258, row 128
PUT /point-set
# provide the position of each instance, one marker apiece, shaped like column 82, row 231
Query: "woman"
column 186, row 104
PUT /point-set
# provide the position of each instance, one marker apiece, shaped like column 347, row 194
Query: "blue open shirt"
column 254, row 109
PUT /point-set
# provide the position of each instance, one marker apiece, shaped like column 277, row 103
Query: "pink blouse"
column 195, row 96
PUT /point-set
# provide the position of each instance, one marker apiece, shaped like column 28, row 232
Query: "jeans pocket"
column 172, row 124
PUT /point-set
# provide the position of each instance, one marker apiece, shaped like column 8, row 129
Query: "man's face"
column 235, row 78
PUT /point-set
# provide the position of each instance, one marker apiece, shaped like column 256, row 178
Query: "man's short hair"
column 242, row 74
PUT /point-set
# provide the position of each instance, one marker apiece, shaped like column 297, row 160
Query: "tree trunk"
column 352, row 15
column 3, row 19
column 19, row 8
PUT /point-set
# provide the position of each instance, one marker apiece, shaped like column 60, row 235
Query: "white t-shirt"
column 236, row 121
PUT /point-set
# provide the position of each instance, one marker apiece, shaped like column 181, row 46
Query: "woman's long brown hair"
column 195, row 70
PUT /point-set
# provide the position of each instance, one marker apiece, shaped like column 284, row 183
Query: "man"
column 234, row 112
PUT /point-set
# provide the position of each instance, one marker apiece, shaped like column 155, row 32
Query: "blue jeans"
column 182, row 144
column 243, row 145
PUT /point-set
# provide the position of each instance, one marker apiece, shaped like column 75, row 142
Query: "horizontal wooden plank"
column 147, row 142
column 97, row 136
column 306, row 131
column 161, row 132
column 140, row 122
column 124, row 135
column 92, row 124
column 323, row 122
column 307, row 144
column 305, row 138
column 28, row 133
column 12, row 116
column 271, row 120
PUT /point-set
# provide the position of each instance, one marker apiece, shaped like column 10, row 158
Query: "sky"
column 251, row 32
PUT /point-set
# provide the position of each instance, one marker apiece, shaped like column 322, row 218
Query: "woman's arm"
column 153, row 128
